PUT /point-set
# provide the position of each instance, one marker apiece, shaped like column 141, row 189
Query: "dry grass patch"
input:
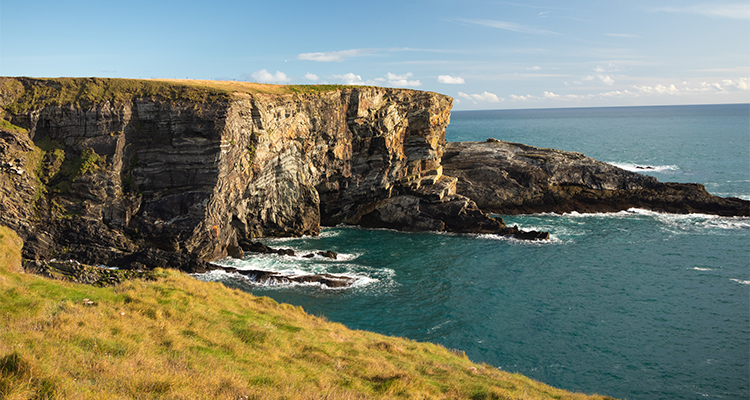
column 18, row 95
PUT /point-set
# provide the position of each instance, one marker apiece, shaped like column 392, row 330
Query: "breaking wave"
column 645, row 167
column 299, row 265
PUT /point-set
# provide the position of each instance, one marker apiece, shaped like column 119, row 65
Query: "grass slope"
column 180, row 338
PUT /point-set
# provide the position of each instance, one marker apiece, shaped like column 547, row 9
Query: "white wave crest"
column 297, row 266
column 645, row 167
column 220, row 275
column 740, row 281
column 732, row 194
column 696, row 221
column 684, row 221
column 553, row 239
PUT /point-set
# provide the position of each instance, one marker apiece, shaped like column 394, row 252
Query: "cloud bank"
column 725, row 86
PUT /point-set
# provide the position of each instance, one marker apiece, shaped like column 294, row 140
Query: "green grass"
column 180, row 338
column 10, row 127
column 316, row 88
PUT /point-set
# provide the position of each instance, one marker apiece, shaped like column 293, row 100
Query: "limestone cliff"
column 119, row 172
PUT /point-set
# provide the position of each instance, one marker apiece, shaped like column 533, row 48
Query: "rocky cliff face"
column 112, row 178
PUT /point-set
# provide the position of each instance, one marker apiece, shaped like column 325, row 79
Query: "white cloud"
column 451, row 80
column 552, row 96
column 349, row 79
column 658, row 89
column 508, row 26
column 521, row 98
column 267, row 77
column 742, row 83
column 724, row 87
column 733, row 11
column 333, row 56
column 605, row 79
column 311, row 77
column 534, row 68
column 389, row 80
column 482, row 97
column 402, row 80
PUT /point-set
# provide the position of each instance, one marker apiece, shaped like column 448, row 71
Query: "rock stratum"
column 141, row 174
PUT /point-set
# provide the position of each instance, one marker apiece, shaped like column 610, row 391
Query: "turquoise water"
column 636, row 305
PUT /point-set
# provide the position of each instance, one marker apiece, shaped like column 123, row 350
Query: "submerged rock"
column 257, row 247
column 277, row 278
column 326, row 254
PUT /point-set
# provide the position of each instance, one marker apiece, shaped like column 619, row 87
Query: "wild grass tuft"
column 10, row 127
column 180, row 338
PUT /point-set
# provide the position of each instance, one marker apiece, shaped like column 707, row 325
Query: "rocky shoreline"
column 140, row 175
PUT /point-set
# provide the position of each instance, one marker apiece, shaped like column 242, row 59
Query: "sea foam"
column 644, row 167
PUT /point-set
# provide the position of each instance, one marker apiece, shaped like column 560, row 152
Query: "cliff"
column 151, row 173
column 142, row 174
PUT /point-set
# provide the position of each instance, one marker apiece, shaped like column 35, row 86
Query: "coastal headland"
column 139, row 174
column 149, row 175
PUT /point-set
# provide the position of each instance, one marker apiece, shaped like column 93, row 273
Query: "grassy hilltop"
column 23, row 94
column 179, row 338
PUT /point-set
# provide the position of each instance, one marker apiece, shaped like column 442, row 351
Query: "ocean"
column 634, row 305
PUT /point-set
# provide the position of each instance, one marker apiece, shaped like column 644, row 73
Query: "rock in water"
column 276, row 278
column 512, row 178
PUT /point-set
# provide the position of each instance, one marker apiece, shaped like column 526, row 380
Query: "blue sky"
column 485, row 54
